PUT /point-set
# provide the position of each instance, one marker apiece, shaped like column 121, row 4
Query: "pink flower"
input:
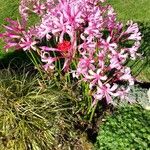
column 87, row 47
column 95, row 78
column 133, row 50
column 72, row 14
column 106, row 45
column 24, row 10
column 84, row 65
column 13, row 34
column 60, row 26
column 135, row 36
column 133, row 31
column 38, row 8
column 106, row 91
column 126, row 75
column 132, row 27
column 44, row 29
column 46, row 58
column 110, row 20
column 27, row 43
column 101, row 59
column 95, row 23
column 45, row 48
column 117, row 59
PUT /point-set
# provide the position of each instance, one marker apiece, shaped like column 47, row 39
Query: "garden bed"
column 46, row 92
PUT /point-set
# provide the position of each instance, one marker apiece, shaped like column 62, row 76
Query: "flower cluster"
column 17, row 37
column 81, row 31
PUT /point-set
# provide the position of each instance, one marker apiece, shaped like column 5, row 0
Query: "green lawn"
column 136, row 10
column 8, row 8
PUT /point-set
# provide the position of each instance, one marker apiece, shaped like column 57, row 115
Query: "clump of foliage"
column 127, row 128
column 31, row 118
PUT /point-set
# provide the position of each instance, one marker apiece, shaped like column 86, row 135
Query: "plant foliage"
column 126, row 129
column 31, row 118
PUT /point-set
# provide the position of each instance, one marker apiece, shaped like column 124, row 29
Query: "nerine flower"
column 133, row 50
column 101, row 59
column 117, row 59
column 48, row 60
column 39, row 8
column 87, row 47
column 108, row 45
column 126, row 75
column 133, row 31
column 27, row 43
column 95, row 77
column 14, row 33
column 84, row 65
column 106, row 91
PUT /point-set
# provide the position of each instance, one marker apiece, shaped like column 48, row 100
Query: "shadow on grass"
column 17, row 61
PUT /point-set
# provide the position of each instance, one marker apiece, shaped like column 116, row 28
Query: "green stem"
column 93, row 111
column 34, row 61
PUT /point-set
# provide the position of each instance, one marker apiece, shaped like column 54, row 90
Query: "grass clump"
column 30, row 118
column 126, row 129
column 21, row 118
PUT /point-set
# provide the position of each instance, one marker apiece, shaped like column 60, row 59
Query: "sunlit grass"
column 137, row 10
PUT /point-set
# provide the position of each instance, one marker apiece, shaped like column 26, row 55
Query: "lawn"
column 8, row 8
column 137, row 10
